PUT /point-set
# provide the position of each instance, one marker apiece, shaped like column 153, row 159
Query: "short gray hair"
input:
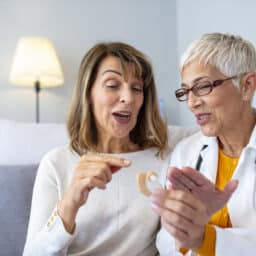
column 230, row 54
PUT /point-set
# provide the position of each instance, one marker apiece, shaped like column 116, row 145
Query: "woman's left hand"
column 182, row 215
column 191, row 180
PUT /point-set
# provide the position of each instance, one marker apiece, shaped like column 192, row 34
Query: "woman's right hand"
column 92, row 171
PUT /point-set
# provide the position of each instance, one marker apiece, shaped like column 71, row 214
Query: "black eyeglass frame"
column 212, row 85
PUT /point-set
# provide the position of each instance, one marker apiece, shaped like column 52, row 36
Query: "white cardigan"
column 241, row 238
column 117, row 221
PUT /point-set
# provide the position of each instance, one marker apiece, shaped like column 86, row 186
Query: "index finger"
column 111, row 160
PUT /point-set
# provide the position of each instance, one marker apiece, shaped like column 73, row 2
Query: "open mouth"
column 203, row 118
column 122, row 117
column 122, row 114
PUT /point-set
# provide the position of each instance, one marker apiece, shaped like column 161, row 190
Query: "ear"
column 248, row 86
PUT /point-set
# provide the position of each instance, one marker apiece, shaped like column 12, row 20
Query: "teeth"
column 122, row 114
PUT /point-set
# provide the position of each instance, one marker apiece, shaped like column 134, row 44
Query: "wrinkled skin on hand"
column 182, row 215
column 186, row 206
column 191, row 180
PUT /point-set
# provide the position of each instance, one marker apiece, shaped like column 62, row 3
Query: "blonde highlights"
column 150, row 129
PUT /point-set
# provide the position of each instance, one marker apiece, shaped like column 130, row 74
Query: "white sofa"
column 22, row 145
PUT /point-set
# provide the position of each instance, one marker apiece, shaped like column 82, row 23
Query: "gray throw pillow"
column 16, row 184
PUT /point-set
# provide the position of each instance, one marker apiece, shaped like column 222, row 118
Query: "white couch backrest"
column 26, row 143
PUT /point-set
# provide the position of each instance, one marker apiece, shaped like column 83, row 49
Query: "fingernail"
column 152, row 198
column 127, row 162
column 155, row 208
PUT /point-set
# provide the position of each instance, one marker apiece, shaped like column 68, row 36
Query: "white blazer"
column 241, row 238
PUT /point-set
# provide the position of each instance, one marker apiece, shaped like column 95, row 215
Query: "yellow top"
column 226, row 168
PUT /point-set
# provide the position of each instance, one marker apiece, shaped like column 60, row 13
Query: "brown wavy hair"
column 150, row 130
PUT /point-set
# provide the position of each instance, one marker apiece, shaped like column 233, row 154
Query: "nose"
column 193, row 101
column 126, row 96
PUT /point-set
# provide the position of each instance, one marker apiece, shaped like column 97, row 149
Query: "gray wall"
column 74, row 26
column 162, row 29
column 197, row 17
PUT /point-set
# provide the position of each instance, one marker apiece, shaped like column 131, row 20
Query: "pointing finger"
column 111, row 160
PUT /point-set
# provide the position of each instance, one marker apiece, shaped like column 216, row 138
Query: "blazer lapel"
column 210, row 158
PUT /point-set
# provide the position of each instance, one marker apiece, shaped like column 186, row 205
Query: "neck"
column 236, row 138
column 116, row 145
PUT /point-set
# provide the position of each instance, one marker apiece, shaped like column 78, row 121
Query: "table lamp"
column 36, row 64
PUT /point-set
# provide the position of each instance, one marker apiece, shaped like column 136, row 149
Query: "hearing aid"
column 146, row 181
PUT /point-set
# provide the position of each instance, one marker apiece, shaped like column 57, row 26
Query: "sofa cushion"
column 26, row 143
column 16, row 183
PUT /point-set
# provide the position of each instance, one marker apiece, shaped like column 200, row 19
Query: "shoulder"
column 58, row 152
column 187, row 149
column 57, row 164
column 59, row 156
column 177, row 133
column 194, row 139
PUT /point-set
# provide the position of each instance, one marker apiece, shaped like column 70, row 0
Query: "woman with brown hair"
column 115, row 130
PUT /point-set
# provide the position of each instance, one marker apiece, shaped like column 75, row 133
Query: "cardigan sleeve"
column 46, row 234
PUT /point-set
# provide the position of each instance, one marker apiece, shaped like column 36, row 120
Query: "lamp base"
column 37, row 90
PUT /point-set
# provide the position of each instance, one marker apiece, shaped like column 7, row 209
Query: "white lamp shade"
column 35, row 59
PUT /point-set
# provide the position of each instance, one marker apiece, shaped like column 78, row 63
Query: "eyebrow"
column 196, row 80
column 112, row 71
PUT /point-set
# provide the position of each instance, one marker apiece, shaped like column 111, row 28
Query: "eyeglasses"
column 200, row 89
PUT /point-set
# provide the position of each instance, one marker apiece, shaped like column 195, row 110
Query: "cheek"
column 215, row 101
column 218, row 118
column 140, row 102
column 223, row 111
column 99, row 109
column 104, row 102
column 137, row 110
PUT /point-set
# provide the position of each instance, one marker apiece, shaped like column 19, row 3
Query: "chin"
column 209, row 131
column 121, row 133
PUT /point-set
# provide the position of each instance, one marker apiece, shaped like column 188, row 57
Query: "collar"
column 252, row 141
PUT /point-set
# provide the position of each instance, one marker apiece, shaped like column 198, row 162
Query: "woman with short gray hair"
column 199, row 216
